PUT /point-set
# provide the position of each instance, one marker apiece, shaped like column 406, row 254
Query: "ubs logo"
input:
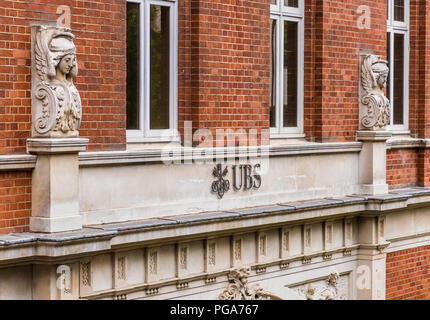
column 245, row 177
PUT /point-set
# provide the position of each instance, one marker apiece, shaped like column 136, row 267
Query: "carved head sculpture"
column 63, row 53
column 380, row 70
column 374, row 73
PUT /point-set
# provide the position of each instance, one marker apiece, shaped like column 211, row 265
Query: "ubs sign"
column 244, row 177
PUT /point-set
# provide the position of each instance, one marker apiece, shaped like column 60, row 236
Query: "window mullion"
column 391, row 93
column 147, row 80
column 280, row 108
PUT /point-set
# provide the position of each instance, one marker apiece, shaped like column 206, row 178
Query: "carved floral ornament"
column 57, row 105
column 374, row 105
column 239, row 289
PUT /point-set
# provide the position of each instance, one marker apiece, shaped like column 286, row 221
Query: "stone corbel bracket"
column 56, row 104
column 374, row 105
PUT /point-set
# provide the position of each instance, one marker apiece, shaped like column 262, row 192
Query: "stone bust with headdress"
column 374, row 105
column 56, row 102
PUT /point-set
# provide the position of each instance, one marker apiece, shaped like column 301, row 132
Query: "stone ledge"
column 198, row 225
column 56, row 146
column 17, row 162
column 89, row 159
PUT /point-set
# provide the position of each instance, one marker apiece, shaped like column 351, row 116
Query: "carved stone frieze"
column 374, row 105
column 56, row 103
column 239, row 289
column 334, row 287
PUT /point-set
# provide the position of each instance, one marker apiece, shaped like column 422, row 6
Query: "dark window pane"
column 133, row 65
column 399, row 10
column 160, row 67
column 398, row 85
column 273, row 1
column 273, row 84
column 292, row 3
column 290, row 73
column 388, row 92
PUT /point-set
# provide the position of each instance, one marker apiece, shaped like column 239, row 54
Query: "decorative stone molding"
column 239, row 289
column 45, row 146
column 86, row 274
column 182, row 285
column 210, row 280
column 374, row 105
column 56, row 104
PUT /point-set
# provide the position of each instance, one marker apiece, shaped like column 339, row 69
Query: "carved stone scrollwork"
column 239, row 289
column 374, row 105
column 56, row 103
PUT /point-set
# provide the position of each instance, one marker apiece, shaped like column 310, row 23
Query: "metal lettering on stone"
column 374, row 105
column 56, row 103
column 222, row 185
column 247, row 175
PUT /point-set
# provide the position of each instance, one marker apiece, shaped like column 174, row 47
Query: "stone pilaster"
column 372, row 162
column 371, row 262
column 55, row 184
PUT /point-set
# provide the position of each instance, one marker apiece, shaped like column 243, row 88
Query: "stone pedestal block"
column 372, row 162
column 55, row 184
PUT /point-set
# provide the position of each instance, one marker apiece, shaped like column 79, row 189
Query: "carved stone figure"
column 56, row 102
column 374, row 105
column 239, row 289
column 328, row 292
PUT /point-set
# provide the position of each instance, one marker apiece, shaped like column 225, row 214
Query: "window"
column 286, row 101
column 398, row 57
column 151, row 70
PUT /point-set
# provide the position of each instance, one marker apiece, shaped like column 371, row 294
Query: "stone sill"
column 403, row 142
column 28, row 246
column 17, row 162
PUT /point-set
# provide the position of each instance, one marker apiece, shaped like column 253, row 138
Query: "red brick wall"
column 419, row 84
column 332, row 44
column 15, row 201
column 99, row 26
column 402, row 167
column 230, row 70
column 408, row 274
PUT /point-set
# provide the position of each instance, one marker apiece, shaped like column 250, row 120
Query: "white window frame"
column 282, row 13
column 397, row 27
column 144, row 133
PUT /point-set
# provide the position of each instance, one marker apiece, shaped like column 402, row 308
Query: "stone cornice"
column 87, row 159
column 106, row 158
column 56, row 146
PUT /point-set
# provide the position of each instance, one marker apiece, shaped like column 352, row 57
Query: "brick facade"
column 332, row 45
column 230, row 64
column 15, row 201
column 223, row 71
column 402, row 167
column 408, row 274
column 99, row 26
